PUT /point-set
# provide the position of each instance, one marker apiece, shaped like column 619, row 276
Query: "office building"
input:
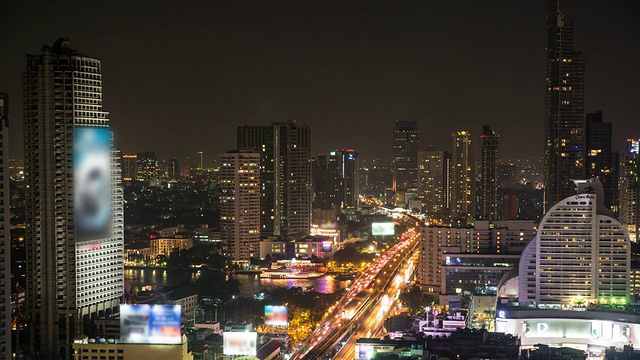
column 240, row 204
column 147, row 166
column 406, row 143
column 630, row 189
column 349, row 173
column 489, row 180
column 601, row 161
column 433, row 181
column 5, row 233
column 112, row 349
column 129, row 167
column 285, row 174
column 173, row 169
column 564, row 109
column 463, row 176
column 74, row 200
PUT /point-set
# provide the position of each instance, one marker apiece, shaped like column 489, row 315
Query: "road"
column 375, row 291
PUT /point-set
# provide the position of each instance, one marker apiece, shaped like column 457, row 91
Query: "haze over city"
column 185, row 75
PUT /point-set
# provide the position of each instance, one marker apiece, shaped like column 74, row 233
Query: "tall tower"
column 74, row 200
column 129, row 167
column 463, row 176
column 285, row 162
column 350, row 175
column 601, row 161
column 433, row 180
column 5, row 234
column 240, row 203
column 489, row 189
column 630, row 189
column 406, row 143
column 564, row 103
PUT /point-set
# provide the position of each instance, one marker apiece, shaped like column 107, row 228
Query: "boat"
column 284, row 273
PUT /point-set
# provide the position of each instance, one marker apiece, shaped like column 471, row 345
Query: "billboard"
column 275, row 315
column 151, row 324
column 383, row 228
column 92, row 182
column 239, row 343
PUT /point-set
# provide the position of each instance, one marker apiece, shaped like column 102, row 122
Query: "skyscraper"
column 564, row 104
column 406, row 143
column 147, row 166
column 601, row 161
column 173, row 169
column 630, row 189
column 433, row 180
column 285, row 175
column 240, row 204
column 463, row 176
column 350, row 175
column 129, row 167
column 5, row 233
column 489, row 181
column 74, row 200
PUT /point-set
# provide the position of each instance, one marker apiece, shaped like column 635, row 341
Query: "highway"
column 363, row 309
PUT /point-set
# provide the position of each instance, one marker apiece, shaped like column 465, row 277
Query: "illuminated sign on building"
column 151, row 324
column 239, row 343
column 382, row 229
column 275, row 315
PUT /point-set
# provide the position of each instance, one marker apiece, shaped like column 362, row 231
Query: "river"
column 249, row 283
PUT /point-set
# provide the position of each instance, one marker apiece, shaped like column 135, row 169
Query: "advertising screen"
column 92, row 182
column 239, row 343
column 382, row 228
column 151, row 324
column 275, row 315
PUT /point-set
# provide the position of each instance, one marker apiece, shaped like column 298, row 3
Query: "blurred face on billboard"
column 92, row 176
column 382, row 229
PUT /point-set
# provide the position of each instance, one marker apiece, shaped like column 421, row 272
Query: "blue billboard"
column 151, row 324
column 92, row 182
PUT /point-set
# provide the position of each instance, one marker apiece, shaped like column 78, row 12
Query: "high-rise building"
column 147, row 166
column 240, row 204
column 580, row 252
column 433, row 180
column 5, row 234
column 630, row 189
column 173, row 169
column 285, row 175
column 601, row 161
column 463, row 176
column 129, row 167
column 200, row 160
column 489, row 180
column 350, row 176
column 74, row 200
column 406, row 143
column 564, row 104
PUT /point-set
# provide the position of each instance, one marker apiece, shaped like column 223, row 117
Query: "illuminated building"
column 463, row 176
column 111, row 349
column 601, row 161
column 489, row 185
column 573, row 282
column 630, row 189
column 74, row 200
column 350, row 175
column 285, row 174
column 173, row 169
column 240, row 204
column 147, row 166
column 564, row 105
column 433, row 180
column 129, row 167
column 5, row 235
column 406, row 143
column 165, row 246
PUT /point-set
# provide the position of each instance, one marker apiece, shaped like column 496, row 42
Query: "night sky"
column 179, row 76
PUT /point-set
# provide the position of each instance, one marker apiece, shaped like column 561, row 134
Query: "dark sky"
column 179, row 76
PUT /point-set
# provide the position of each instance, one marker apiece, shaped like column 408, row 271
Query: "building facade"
column 463, row 176
column 489, row 180
column 564, row 109
column 5, row 233
column 433, row 181
column 350, row 174
column 601, row 161
column 285, row 173
column 129, row 167
column 74, row 200
column 240, row 204
column 630, row 189
column 406, row 143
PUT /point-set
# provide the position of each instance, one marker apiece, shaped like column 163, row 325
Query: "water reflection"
column 249, row 283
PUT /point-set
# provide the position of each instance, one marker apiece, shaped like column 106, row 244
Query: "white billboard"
column 151, row 324
column 382, row 228
column 239, row 343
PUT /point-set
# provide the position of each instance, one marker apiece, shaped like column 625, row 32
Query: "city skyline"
column 262, row 65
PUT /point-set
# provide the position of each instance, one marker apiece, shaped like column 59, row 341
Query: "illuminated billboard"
column 239, row 343
column 275, row 315
column 383, row 228
column 92, row 182
column 151, row 324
